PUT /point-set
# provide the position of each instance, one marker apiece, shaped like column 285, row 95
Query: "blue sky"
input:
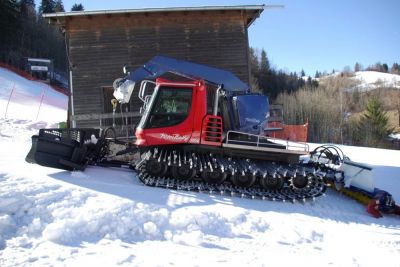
column 309, row 34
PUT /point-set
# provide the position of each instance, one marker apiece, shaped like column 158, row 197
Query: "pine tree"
column 59, row 6
column 357, row 67
column 265, row 67
column 373, row 126
column 302, row 73
column 9, row 22
column 271, row 81
column 29, row 27
column 385, row 67
column 395, row 68
column 27, row 8
column 254, row 70
column 77, row 7
column 47, row 6
column 264, row 77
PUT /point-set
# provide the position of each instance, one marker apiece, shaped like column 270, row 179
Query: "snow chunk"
column 395, row 136
column 194, row 238
column 58, row 232
column 150, row 228
column 7, row 225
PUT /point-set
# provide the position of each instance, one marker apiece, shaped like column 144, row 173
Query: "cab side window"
column 171, row 107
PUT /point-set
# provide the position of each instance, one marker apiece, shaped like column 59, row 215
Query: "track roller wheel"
column 240, row 180
column 274, row 182
column 155, row 168
column 299, row 181
column 183, row 172
column 215, row 176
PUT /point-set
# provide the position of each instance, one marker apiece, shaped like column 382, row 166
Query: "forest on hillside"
column 25, row 33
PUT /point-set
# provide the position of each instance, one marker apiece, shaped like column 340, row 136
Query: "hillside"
column 370, row 80
column 366, row 80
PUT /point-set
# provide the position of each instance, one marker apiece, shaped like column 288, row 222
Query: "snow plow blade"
column 65, row 149
column 359, row 184
column 354, row 179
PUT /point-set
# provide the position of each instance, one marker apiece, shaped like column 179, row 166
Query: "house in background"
column 100, row 43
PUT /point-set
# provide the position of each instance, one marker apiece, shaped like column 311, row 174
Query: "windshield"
column 252, row 112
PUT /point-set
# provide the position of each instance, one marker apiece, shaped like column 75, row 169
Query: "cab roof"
column 160, row 65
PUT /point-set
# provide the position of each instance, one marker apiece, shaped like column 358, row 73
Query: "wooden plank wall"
column 101, row 45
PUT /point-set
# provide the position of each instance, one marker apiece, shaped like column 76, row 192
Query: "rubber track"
column 315, row 188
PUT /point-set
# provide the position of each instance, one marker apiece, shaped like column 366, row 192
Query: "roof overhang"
column 253, row 11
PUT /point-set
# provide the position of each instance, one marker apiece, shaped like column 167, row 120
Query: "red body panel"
column 187, row 132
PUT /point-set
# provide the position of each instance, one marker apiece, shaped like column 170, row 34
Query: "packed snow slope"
column 106, row 217
column 24, row 99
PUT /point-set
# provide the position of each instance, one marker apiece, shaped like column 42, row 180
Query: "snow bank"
column 395, row 136
column 107, row 217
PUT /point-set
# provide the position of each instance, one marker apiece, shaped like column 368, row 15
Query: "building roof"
column 253, row 10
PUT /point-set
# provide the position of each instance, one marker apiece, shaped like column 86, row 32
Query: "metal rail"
column 274, row 141
column 142, row 90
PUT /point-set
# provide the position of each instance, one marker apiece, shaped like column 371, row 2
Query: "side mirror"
column 125, row 70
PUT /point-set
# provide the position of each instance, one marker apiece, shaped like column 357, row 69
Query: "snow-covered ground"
column 106, row 217
column 368, row 80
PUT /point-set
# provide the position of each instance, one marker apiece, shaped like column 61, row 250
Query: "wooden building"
column 100, row 43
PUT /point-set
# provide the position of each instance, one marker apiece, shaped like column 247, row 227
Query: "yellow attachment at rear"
column 360, row 197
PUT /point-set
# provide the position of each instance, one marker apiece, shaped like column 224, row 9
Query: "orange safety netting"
column 27, row 76
column 297, row 133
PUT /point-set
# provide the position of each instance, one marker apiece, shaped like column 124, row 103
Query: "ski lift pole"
column 9, row 98
column 114, row 104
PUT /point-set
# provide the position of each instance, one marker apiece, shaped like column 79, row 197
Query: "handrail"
column 143, row 89
column 291, row 144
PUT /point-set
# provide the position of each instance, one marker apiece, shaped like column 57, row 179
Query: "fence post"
column 9, row 98
column 41, row 101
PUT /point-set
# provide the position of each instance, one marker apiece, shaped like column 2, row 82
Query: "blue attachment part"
column 160, row 65
column 386, row 201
